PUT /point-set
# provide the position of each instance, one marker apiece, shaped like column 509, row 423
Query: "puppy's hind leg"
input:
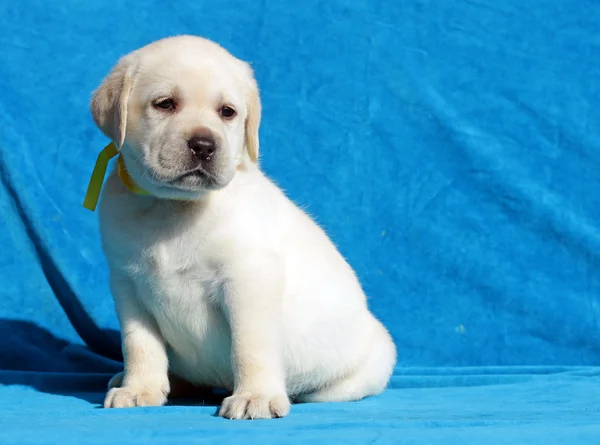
column 117, row 380
column 369, row 379
column 179, row 387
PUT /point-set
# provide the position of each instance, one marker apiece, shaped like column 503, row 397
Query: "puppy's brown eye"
column 165, row 104
column 227, row 112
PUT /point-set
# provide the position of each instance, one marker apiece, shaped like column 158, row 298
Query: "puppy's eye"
column 227, row 112
column 165, row 104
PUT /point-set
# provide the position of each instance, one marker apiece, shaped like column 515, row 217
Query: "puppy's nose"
column 203, row 147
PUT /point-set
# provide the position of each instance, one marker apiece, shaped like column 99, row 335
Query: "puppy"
column 217, row 277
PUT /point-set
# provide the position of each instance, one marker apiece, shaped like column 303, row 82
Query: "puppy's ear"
column 252, row 119
column 109, row 101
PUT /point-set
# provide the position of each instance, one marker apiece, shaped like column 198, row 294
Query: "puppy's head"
column 185, row 113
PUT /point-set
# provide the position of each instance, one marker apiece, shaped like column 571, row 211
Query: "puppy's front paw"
column 130, row 396
column 255, row 406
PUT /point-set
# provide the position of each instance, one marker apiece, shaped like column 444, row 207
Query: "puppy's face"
column 185, row 112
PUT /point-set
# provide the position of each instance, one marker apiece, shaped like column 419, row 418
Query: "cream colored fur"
column 222, row 282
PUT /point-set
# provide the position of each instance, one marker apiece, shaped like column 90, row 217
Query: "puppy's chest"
column 176, row 282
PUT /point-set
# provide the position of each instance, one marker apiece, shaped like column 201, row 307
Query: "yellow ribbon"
column 128, row 180
column 95, row 186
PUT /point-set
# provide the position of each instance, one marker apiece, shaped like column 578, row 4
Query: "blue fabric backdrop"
column 451, row 150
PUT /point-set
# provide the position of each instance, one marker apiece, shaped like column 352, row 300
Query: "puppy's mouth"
column 195, row 178
column 172, row 177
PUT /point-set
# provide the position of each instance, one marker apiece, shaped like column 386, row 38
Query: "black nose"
column 203, row 147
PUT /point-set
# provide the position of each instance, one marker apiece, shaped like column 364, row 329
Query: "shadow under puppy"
column 217, row 277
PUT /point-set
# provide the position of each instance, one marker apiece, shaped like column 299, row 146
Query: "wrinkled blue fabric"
column 450, row 149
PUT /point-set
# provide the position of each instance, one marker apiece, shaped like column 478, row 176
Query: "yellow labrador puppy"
column 217, row 277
